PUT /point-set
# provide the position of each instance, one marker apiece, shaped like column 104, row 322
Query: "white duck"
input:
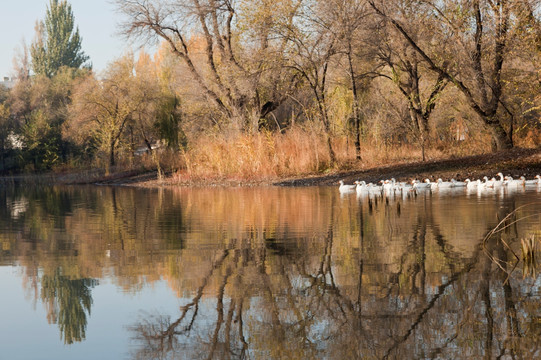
column 360, row 187
column 510, row 182
column 387, row 185
column 405, row 187
column 488, row 183
column 472, row 184
column 499, row 182
column 535, row 182
column 421, row 185
column 444, row 184
column 396, row 185
column 456, row 184
column 374, row 189
column 343, row 188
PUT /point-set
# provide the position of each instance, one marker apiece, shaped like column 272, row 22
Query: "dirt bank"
column 515, row 162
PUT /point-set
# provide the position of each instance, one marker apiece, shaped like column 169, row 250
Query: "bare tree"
column 347, row 20
column 467, row 44
column 406, row 71
column 102, row 109
column 314, row 46
column 243, row 87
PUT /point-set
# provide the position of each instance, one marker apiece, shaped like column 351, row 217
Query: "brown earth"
column 515, row 162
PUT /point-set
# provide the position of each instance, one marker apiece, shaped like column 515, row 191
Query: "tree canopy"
column 280, row 88
column 57, row 41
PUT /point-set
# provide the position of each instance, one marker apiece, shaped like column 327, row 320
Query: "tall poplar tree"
column 57, row 41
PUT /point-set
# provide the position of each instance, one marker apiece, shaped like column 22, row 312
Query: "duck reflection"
column 290, row 273
column 318, row 298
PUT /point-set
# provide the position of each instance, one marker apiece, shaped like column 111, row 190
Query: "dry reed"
column 299, row 151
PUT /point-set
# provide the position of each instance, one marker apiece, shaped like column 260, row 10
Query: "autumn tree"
column 466, row 43
column 523, row 95
column 57, row 42
column 159, row 116
column 101, row 109
column 5, row 125
column 314, row 46
column 39, row 108
column 408, row 71
column 237, row 71
column 348, row 21
column 39, row 102
column 128, row 99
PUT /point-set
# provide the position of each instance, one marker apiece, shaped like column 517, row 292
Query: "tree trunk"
column 423, row 125
column 326, row 124
column 332, row 155
column 357, row 134
column 420, row 124
column 356, row 110
column 486, row 108
column 3, row 155
column 501, row 139
column 112, row 154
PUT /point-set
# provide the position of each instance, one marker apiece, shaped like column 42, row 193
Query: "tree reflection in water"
column 286, row 273
column 68, row 302
column 275, row 302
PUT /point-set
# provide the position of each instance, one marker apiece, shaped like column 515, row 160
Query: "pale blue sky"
column 96, row 19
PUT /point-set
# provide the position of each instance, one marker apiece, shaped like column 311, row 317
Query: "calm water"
column 115, row 273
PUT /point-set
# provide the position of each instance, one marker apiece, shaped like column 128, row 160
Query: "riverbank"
column 515, row 162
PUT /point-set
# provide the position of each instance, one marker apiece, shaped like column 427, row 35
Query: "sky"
column 97, row 21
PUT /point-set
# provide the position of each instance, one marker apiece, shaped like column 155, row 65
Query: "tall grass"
column 254, row 157
column 266, row 156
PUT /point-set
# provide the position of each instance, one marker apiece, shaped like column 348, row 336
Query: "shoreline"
column 514, row 162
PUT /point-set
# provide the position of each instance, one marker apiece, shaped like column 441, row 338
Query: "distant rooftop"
column 8, row 82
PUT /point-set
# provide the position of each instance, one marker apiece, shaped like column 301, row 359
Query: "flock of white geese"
column 393, row 187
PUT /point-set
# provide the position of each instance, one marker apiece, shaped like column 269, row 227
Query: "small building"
column 8, row 82
column 142, row 150
column 14, row 141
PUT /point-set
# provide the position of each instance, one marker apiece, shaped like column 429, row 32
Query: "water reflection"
column 287, row 273
column 68, row 302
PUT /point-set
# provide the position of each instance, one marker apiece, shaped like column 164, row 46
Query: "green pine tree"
column 57, row 42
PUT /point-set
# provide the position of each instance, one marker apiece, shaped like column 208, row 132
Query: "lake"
column 268, row 273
